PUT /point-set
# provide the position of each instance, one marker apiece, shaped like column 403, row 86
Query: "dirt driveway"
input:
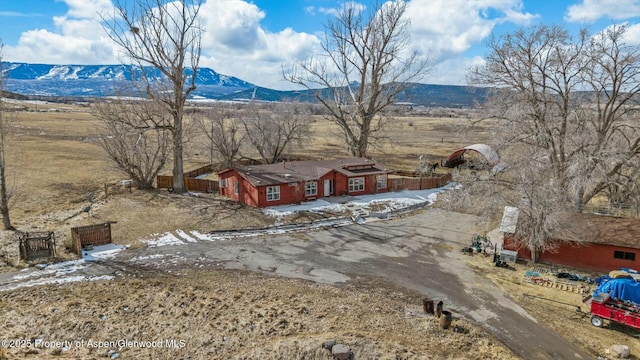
column 419, row 252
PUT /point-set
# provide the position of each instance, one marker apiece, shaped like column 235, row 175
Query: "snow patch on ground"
column 185, row 236
column 149, row 257
column 54, row 280
column 165, row 239
column 201, row 236
column 394, row 200
column 102, row 252
column 64, row 272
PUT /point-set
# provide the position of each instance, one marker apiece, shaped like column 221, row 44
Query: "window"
column 356, row 184
column 381, row 181
column 273, row 193
column 311, row 188
column 223, row 183
column 624, row 255
column 236, row 188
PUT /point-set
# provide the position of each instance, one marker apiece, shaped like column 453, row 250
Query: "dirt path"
column 419, row 252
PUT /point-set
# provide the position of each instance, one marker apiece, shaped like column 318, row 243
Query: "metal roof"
column 485, row 150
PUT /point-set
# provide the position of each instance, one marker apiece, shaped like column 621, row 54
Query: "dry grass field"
column 232, row 315
column 56, row 168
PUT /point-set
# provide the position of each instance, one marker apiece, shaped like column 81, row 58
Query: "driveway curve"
column 419, row 252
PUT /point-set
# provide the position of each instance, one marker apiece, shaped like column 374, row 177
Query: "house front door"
column 327, row 187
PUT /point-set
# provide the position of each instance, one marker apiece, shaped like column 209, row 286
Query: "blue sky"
column 254, row 39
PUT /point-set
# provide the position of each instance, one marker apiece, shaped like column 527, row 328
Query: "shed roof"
column 603, row 229
column 300, row 171
column 588, row 228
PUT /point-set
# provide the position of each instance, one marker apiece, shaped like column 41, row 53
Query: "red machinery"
column 619, row 311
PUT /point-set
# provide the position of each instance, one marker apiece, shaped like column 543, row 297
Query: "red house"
column 588, row 241
column 297, row 181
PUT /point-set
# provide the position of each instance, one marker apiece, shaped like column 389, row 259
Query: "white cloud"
column 235, row 42
column 444, row 28
column 78, row 38
column 343, row 6
column 591, row 10
column 88, row 9
column 452, row 71
column 632, row 36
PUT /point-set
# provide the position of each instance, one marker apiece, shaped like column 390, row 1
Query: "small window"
column 222, row 183
column 381, row 181
column 311, row 188
column 273, row 193
column 236, row 188
column 624, row 255
column 356, row 184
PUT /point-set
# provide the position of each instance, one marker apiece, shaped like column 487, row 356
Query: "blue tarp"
column 620, row 289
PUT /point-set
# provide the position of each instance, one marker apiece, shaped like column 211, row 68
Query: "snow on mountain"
column 100, row 80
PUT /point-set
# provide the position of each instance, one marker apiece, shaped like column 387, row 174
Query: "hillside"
column 101, row 80
column 57, row 82
column 449, row 96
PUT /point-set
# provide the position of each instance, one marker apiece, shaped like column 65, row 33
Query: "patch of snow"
column 394, row 200
column 166, row 239
column 55, row 280
column 200, row 236
column 58, row 269
column 102, row 252
column 185, row 236
column 149, row 257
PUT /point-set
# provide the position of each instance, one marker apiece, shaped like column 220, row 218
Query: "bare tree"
column 567, row 124
column 363, row 70
column 223, row 133
column 5, row 127
column 162, row 37
column 271, row 133
column 136, row 148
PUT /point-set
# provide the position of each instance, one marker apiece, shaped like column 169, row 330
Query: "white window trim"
column 356, row 184
column 273, row 193
column 236, row 187
column 383, row 179
column 311, row 188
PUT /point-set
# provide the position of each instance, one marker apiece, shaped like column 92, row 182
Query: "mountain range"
column 91, row 81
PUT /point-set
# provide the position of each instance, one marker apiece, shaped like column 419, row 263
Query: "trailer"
column 604, row 307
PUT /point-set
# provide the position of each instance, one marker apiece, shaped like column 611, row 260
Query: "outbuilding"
column 585, row 241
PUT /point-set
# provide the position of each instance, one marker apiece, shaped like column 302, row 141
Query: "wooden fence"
column 419, row 183
column 37, row 244
column 94, row 235
column 190, row 181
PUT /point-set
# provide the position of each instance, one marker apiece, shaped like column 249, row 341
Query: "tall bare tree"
column 272, row 132
column 224, row 134
column 164, row 37
column 567, row 122
column 363, row 69
column 130, row 141
column 5, row 127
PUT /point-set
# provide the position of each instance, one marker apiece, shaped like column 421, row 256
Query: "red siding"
column 596, row 257
column 294, row 192
column 246, row 192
